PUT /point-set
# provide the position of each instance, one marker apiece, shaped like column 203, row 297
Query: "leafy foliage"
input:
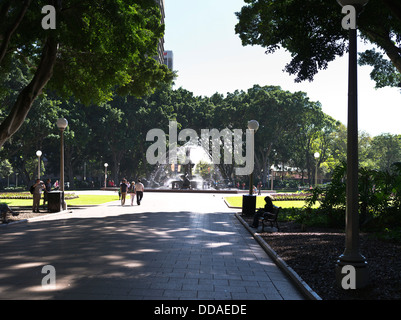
column 384, row 73
column 379, row 197
column 311, row 31
column 97, row 49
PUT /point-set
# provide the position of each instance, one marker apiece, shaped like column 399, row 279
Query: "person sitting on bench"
column 4, row 209
column 268, row 209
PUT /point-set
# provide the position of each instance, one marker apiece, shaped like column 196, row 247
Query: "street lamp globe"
column 106, row 164
column 62, row 123
column 38, row 153
column 253, row 125
column 352, row 2
column 317, row 155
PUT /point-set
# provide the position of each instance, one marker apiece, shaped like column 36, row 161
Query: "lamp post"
column 351, row 256
column 272, row 179
column 105, row 174
column 249, row 201
column 61, row 125
column 85, row 171
column 253, row 125
column 317, row 155
column 38, row 154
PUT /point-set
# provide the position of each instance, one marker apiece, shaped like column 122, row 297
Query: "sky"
column 210, row 58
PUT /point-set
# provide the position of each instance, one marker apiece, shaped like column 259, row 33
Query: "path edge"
column 305, row 289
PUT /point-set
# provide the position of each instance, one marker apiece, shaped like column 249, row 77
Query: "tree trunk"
column 27, row 96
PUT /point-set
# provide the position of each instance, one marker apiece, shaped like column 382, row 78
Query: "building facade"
column 168, row 59
column 160, row 47
column 164, row 57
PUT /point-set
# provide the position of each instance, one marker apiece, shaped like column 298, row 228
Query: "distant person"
column 56, row 185
column 268, row 208
column 123, row 190
column 139, row 188
column 131, row 191
column 37, row 193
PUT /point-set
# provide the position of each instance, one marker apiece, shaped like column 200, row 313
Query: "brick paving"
column 171, row 247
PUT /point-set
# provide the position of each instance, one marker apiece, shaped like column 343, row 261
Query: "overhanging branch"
column 27, row 96
column 6, row 37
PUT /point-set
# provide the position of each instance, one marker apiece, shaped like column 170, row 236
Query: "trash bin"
column 248, row 205
column 55, row 201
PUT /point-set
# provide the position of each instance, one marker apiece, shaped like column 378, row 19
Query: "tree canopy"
column 311, row 31
column 98, row 48
column 291, row 129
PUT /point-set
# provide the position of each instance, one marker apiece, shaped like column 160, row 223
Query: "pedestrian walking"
column 37, row 193
column 123, row 190
column 131, row 191
column 139, row 188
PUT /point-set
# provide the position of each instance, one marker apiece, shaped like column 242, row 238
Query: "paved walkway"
column 158, row 250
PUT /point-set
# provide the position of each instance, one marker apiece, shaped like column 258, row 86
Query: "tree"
column 289, row 124
column 311, row 31
column 96, row 49
column 5, row 169
column 385, row 150
column 33, row 135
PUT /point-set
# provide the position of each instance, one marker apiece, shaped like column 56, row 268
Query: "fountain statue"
column 182, row 176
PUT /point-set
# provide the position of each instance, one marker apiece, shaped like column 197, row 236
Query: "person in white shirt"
column 131, row 191
column 139, row 188
column 37, row 194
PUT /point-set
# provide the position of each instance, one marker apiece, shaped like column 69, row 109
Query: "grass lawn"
column 236, row 201
column 83, row 200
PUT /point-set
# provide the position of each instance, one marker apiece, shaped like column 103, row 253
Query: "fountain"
column 197, row 172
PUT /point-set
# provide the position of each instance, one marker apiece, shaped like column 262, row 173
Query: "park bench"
column 270, row 217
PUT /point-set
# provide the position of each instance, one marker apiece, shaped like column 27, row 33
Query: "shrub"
column 379, row 197
column 290, row 196
column 28, row 195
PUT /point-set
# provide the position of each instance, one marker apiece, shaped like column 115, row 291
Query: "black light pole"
column 105, row 175
column 253, row 125
column 38, row 154
column 61, row 125
column 249, row 200
column 352, row 258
